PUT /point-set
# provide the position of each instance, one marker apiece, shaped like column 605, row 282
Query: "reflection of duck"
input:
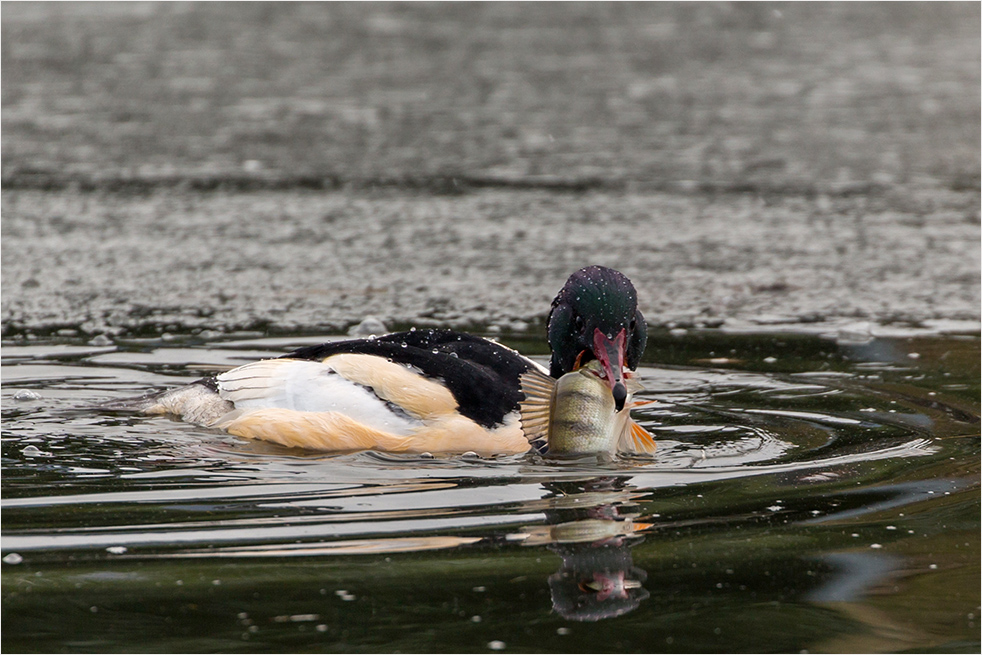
column 416, row 391
column 598, row 579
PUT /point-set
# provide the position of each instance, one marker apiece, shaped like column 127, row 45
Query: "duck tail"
column 197, row 402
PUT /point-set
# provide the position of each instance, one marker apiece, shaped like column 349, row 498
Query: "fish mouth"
column 610, row 353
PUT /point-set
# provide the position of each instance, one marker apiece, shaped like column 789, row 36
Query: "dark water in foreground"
column 807, row 494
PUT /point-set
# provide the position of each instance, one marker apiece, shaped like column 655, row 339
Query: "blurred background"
column 799, row 161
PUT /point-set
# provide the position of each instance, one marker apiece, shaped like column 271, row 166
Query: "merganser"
column 435, row 391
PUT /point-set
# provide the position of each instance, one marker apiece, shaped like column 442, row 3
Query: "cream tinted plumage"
column 416, row 391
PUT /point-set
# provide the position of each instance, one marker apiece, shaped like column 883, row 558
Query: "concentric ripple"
column 804, row 466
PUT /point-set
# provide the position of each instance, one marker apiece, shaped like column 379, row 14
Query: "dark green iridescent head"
column 596, row 301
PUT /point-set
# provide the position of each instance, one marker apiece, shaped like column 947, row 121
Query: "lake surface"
column 809, row 492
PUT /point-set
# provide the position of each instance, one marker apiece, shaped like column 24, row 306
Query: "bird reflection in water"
column 591, row 525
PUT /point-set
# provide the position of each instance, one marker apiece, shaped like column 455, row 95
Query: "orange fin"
column 643, row 441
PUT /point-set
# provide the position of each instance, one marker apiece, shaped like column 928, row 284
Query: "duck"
column 422, row 390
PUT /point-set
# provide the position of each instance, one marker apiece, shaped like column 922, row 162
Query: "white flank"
column 308, row 386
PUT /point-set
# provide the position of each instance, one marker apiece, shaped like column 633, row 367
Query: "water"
column 806, row 494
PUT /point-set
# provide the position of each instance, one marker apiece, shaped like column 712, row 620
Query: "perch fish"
column 577, row 414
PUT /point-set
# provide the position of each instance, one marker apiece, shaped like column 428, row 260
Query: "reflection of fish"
column 577, row 414
column 589, row 531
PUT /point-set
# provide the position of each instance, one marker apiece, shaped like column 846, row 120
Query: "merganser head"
column 595, row 316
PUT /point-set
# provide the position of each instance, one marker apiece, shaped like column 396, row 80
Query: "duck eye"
column 634, row 324
column 578, row 323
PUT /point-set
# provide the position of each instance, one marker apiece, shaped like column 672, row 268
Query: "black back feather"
column 483, row 376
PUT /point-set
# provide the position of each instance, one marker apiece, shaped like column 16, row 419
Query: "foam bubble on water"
column 25, row 395
column 296, row 618
column 12, row 558
column 496, row 645
column 100, row 340
column 369, row 326
column 857, row 334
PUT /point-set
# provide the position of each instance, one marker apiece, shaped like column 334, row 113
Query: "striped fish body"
column 575, row 414
column 584, row 418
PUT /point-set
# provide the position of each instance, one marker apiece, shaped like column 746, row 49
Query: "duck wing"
column 482, row 376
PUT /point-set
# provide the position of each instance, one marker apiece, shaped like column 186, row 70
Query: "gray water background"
column 210, row 167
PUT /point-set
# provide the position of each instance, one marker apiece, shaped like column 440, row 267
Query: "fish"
column 577, row 414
